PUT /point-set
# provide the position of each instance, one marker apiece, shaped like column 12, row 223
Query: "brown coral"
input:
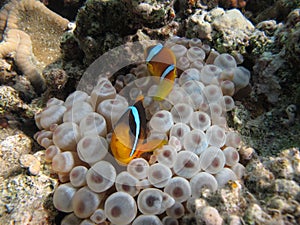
column 21, row 22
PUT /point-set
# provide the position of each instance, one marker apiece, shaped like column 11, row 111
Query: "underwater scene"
column 155, row 112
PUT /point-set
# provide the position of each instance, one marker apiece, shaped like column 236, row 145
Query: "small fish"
column 234, row 4
column 161, row 62
column 238, row 3
column 128, row 139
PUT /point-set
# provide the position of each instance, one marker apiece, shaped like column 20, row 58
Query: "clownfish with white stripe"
column 129, row 137
column 161, row 62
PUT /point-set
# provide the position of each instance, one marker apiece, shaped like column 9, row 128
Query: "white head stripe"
column 153, row 52
column 137, row 127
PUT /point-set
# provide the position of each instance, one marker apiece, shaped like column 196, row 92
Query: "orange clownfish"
column 161, row 62
column 128, row 139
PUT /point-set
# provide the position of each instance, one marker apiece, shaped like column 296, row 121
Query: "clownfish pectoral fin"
column 164, row 88
column 124, row 161
column 150, row 69
column 151, row 145
column 166, row 83
column 120, row 143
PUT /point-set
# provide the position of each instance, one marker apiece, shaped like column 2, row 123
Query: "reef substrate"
column 30, row 34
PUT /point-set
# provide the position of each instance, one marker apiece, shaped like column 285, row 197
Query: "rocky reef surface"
column 266, row 114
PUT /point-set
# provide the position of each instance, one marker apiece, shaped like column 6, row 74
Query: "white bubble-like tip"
column 178, row 188
column 187, row 164
column 147, row 219
column 62, row 198
column 150, row 201
column 202, row 181
column 138, row 168
column 101, row 176
column 85, row 202
column 127, row 183
column 120, row 208
column 212, row 160
column 159, row 175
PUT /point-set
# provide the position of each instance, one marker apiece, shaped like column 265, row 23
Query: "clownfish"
column 128, row 139
column 161, row 62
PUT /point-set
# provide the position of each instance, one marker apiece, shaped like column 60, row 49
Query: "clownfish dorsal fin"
column 153, row 52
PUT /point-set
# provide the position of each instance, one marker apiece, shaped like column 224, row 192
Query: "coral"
column 269, row 26
column 228, row 29
column 280, row 176
column 90, row 34
column 232, row 36
column 185, row 8
column 278, row 10
column 21, row 21
column 288, row 36
column 70, row 48
column 285, row 165
column 276, row 56
column 24, row 198
column 268, row 84
column 9, row 159
column 56, row 79
column 291, row 111
column 31, row 162
column 275, row 88
column 99, row 22
column 152, row 13
column 209, row 215
column 198, row 27
column 20, row 42
column 10, row 100
column 13, row 107
column 6, row 73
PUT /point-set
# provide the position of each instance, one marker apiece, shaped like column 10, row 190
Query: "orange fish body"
column 128, row 139
column 161, row 62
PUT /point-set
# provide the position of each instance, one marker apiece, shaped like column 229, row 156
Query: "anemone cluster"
column 201, row 152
